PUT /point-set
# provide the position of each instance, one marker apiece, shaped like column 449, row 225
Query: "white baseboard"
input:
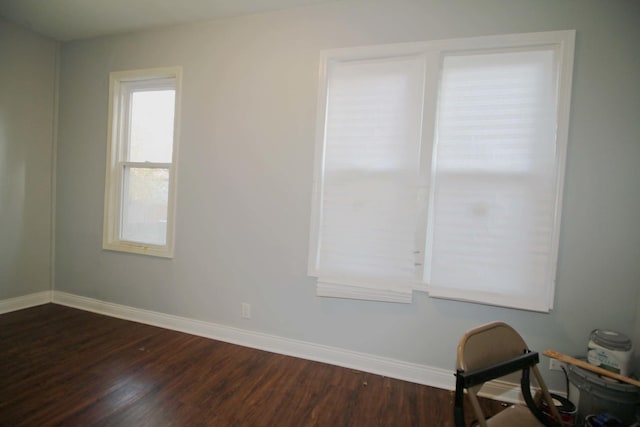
column 413, row 372
column 25, row 301
column 421, row 374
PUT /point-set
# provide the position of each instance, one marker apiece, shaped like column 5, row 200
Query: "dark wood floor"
column 61, row 366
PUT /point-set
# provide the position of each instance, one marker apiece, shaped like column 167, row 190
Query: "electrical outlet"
column 246, row 310
column 555, row 365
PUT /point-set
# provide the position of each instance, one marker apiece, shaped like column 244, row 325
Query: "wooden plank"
column 584, row 365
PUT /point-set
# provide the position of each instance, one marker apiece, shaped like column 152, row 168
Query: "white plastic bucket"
column 610, row 350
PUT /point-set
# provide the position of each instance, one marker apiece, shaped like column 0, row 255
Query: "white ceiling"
column 66, row 20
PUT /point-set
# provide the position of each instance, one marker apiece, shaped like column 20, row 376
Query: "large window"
column 141, row 166
column 439, row 167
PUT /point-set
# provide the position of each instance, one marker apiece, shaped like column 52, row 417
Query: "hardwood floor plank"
column 62, row 366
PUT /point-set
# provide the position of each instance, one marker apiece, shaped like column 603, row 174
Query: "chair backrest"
column 489, row 345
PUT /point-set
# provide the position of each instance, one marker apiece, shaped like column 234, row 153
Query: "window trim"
column 434, row 52
column 115, row 164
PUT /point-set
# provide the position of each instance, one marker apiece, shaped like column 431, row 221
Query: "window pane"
column 152, row 115
column 145, row 201
column 494, row 174
column 371, row 167
column 491, row 234
column 496, row 111
column 374, row 109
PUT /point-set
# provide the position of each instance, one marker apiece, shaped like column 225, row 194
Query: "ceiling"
column 66, row 20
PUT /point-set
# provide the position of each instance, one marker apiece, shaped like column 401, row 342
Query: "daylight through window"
column 141, row 168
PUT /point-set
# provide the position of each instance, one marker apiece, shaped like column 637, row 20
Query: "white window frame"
column 433, row 53
column 121, row 85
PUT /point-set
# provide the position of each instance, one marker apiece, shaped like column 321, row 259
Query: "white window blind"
column 439, row 167
column 369, row 179
column 494, row 178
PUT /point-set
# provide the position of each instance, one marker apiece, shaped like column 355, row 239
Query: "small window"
column 141, row 161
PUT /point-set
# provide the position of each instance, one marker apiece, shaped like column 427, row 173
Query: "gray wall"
column 245, row 171
column 27, row 84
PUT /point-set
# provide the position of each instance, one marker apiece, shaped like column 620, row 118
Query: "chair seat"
column 512, row 416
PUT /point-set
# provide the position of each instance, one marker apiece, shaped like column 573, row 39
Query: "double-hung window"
column 141, row 161
column 439, row 167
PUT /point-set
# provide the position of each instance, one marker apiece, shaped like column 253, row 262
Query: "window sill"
column 368, row 293
column 140, row 249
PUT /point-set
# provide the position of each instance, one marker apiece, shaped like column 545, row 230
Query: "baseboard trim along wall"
column 413, row 372
column 25, row 301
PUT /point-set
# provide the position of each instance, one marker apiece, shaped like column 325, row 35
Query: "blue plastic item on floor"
column 602, row 420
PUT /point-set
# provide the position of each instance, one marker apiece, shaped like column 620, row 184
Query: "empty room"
column 289, row 212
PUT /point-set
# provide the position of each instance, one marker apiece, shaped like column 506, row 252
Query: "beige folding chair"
column 492, row 351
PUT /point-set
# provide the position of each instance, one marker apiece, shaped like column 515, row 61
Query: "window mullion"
column 425, row 194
